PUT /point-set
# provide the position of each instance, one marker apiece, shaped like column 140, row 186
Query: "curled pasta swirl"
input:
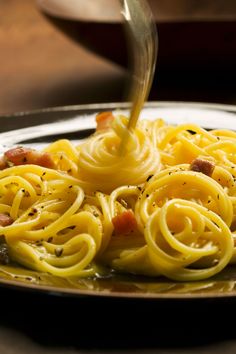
column 51, row 232
column 101, row 163
column 69, row 255
column 180, row 182
column 176, row 247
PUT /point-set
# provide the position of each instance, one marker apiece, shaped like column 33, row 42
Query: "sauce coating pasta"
column 166, row 206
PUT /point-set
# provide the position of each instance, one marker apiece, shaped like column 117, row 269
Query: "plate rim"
column 122, row 105
column 104, row 294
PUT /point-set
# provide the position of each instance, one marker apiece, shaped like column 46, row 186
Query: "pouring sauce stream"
column 142, row 40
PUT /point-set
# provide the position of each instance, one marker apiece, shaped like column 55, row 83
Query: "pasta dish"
column 165, row 206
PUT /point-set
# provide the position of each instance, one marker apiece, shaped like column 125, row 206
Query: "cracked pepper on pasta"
column 164, row 206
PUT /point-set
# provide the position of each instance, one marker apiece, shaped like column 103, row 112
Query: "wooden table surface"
column 40, row 67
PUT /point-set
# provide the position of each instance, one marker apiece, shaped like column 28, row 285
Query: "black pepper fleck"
column 149, row 177
column 58, row 251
